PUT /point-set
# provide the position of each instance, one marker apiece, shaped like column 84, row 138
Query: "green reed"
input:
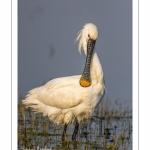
column 110, row 128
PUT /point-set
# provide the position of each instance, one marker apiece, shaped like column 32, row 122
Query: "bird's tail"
column 39, row 107
column 55, row 114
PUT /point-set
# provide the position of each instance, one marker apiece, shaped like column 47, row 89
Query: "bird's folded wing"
column 62, row 93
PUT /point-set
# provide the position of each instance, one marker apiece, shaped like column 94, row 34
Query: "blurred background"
column 46, row 47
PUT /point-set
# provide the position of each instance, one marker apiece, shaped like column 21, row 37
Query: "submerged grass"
column 110, row 128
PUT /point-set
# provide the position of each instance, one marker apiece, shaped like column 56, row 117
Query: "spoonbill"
column 72, row 99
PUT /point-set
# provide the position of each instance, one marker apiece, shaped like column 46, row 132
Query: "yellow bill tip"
column 84, row 83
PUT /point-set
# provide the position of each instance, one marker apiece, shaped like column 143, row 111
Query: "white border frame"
column 5, row 74
column 14, row 73
column 135, row 73
column 144, row 74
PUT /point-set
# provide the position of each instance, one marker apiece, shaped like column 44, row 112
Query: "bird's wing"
column 63, row 93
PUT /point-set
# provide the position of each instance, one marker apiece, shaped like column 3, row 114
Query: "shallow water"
column 108, row 129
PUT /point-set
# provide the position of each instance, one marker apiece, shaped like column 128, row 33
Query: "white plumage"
column 63, row 99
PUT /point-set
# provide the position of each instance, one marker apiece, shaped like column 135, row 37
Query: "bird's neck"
column 96, row 71
column 93, row 72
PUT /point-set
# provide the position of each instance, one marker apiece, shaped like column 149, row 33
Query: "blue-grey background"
column 46, row 49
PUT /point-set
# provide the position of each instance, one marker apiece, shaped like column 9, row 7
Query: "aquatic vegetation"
column 110, row 128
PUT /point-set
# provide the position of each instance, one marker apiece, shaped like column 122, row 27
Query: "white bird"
column 72, row 99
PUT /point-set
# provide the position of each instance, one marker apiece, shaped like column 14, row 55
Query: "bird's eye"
column 88, row 35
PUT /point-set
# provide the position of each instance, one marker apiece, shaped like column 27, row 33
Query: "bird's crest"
column 89, row 31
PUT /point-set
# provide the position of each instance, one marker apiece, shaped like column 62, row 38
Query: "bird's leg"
column 64, row 132
column 75, row 131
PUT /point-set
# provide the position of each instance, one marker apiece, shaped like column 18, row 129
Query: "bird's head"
column 87, row 38
column 85, row 35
